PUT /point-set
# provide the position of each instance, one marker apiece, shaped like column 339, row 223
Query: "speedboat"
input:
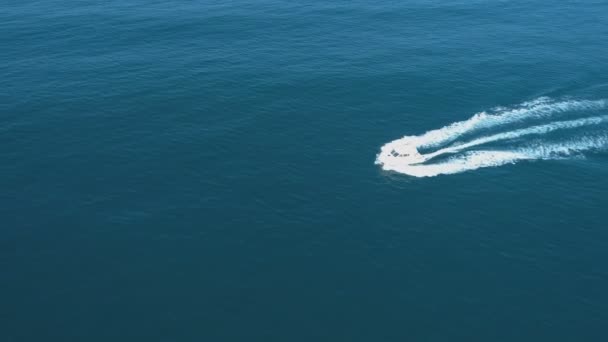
column 402, row 152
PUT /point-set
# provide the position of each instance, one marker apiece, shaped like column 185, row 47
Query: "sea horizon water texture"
column 237, row 171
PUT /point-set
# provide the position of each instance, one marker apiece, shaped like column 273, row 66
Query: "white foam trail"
column 480, row 159
column 539, row 108
column 466, row 162
column 535, row 130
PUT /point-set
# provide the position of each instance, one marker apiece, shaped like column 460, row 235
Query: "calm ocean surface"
column 209, row 170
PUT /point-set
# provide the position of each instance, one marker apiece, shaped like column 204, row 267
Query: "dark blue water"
column 204, row 171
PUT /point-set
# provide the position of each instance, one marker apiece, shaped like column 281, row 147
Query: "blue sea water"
column 208, row 171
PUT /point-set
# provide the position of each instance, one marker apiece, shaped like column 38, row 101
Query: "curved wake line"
column 540, row 108
column 465, row 159
column 536, row 130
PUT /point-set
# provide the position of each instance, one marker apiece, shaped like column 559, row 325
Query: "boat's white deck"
column 401, row 152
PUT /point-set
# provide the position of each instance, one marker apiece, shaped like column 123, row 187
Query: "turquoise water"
column 212, row 171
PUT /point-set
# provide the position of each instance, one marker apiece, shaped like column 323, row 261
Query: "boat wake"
column 535, row 130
